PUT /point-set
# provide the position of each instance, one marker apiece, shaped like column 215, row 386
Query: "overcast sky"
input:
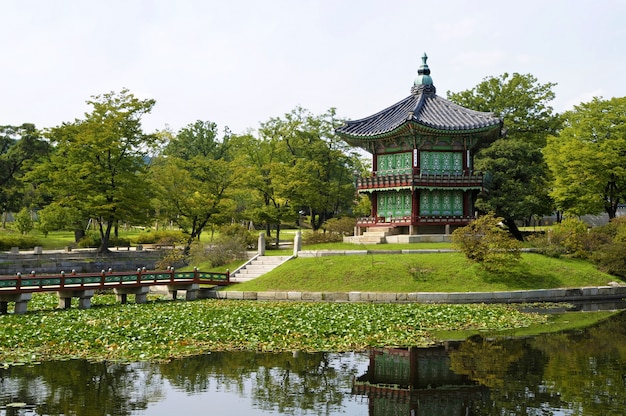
column 240, row 62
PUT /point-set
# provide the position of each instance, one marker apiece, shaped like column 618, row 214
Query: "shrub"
column 174, row 258
column 225, row 250
column 611, row 258
column 241, row 233
column 570, row 236
column 342, row 226
column 484, row 241
column 15, row 240
column 164, row 237
column 317, row 237
column 91, row 240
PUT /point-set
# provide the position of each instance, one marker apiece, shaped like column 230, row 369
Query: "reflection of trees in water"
column 80, row 387
column 579, row 370
column 588, row 367
column 287, row 382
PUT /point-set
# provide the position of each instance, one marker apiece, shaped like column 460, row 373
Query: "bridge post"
column 191, row 291
column 141, row 293
column 84, row 298
column 21, row 302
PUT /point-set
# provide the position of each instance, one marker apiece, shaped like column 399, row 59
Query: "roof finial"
column 423, row 73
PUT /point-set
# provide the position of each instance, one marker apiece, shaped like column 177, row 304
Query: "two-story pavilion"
column 422, row 179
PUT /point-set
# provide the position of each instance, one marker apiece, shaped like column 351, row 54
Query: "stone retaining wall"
column 82, row 262
column 584, row 294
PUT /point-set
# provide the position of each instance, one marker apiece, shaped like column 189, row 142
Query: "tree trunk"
column 277, row 236
column 611, row 209
column 105, row 235
column 513, row 229
column 79, row 233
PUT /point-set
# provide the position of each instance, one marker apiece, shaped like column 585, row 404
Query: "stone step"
column 363, row 239
column 258, row 267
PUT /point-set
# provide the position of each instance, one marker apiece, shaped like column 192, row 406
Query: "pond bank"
column 571, row 295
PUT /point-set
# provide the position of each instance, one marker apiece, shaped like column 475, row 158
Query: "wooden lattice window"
column 394, row 204
column 439, row 163
column 441, row 202
column 395, row 163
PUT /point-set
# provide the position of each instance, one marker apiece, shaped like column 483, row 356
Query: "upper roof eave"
column 411, row 126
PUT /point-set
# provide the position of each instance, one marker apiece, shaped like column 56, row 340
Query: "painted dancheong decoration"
column 422, row 179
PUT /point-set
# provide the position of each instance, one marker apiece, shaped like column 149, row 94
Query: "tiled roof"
column 422, row 108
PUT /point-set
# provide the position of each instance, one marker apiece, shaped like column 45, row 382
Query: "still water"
column 581, row 372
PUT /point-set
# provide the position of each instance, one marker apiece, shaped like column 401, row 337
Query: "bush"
column 174, row 258
column 342, row 226
column 164, row 237
column 611, row 259
column 15, row 240
column 484, row 241
column 241, row 233
column 91, row 240
column 317, row 237
column 570, row 236
column 230, row 245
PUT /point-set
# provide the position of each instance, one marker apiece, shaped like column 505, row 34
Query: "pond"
column 580, row 372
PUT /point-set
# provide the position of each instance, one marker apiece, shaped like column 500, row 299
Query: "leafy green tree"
column 516, row 183
column 24, row 221
column 262, row 164
column 20, row 148
column 98, row 167
column 195, row 179
column 588, row 158
column 298, row 164
column 321, row 167
column 520, row 100
column 518, row 177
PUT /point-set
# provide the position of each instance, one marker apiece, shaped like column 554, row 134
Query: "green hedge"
column 16, row 240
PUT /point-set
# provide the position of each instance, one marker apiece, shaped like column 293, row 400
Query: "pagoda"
column 422, row 180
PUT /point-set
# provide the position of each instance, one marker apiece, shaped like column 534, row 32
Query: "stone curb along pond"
column 584, row 294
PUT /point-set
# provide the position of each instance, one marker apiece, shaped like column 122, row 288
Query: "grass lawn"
column 427, row 272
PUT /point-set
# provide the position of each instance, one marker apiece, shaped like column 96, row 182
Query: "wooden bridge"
column 19, row 288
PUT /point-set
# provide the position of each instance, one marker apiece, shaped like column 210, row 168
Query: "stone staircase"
column 374, row 235
column 256, row 267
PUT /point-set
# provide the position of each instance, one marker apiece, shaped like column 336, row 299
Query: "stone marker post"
column 297, row 243
column 261, row 244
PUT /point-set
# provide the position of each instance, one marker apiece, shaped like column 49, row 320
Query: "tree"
column 588, row 158
column 516, row 184
column 24, row 221
column 194, row 179
column 20, row 148
column 518, row 177
column 300, row 165
column 520, row 100
column 98, row 167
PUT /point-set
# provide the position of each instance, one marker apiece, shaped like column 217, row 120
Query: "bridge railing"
column 108, row 280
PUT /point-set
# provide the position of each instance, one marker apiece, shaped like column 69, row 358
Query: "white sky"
column 240, row 62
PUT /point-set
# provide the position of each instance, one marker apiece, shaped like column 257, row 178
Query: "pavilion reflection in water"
column 417, row 381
